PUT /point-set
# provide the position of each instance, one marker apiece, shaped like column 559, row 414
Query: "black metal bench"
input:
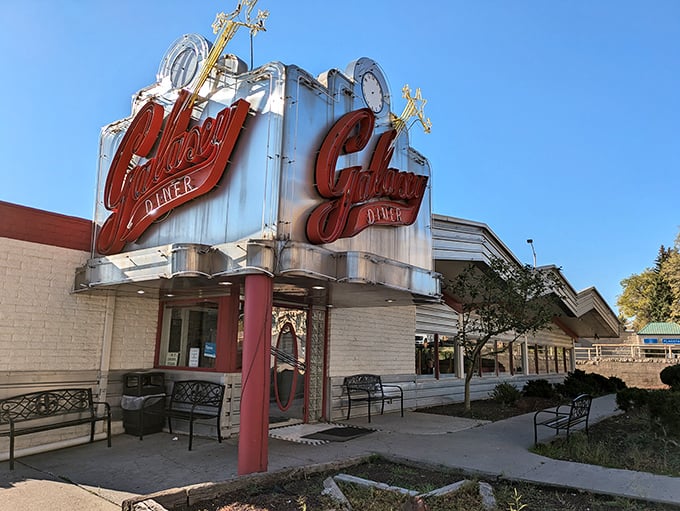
column 371, row 389
column 50, row 409
column 578, row 413
column 191, row 400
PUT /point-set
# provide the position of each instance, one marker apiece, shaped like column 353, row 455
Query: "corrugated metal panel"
column 455, row 239
column 436, row 319
column 660, row 329
column 552, row 337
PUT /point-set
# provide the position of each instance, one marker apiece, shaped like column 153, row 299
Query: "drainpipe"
column 107, row 340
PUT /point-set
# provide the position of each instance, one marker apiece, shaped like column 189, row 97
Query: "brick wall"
column 134, row 333
column 643, row 374
column 43, row 327
column 372, row 340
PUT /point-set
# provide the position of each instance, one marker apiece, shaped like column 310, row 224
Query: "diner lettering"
column 186, row 163
column 360, row 198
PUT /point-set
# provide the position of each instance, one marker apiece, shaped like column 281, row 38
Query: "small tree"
column 505, row 298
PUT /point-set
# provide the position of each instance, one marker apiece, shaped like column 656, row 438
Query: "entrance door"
column 288, row 365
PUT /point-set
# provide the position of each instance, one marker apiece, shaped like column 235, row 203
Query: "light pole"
column 531, row 242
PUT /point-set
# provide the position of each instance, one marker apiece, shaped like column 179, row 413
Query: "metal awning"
column 303, row 273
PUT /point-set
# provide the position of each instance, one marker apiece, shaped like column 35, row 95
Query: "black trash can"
column 143, row 402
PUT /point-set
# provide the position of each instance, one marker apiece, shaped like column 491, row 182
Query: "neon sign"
column 360, row 198
column 185, row 164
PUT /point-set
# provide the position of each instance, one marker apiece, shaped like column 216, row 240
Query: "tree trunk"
column 468, row 379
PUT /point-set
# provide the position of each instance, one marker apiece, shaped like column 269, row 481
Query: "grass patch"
column 627, row 441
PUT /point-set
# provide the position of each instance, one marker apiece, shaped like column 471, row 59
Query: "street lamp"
column 531, row 242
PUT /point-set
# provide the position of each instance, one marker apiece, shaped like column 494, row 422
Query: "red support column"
column 254, row 429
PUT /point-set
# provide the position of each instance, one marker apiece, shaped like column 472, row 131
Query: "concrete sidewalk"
column 91, row 477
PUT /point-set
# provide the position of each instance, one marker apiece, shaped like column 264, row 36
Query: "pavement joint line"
column 66, row 480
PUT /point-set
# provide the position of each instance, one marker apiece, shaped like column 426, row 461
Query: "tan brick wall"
column 42, row 325
column 134, row 333
column 643, row 374
column 376, row 340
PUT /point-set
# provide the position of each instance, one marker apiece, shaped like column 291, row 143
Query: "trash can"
column 143, row 402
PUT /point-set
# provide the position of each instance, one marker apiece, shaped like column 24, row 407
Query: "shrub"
column 631, row 398
column 539, row 388
column 579, row 382
column 506, row 394
column 664, row 411
column 617, row 383
column 671, row 377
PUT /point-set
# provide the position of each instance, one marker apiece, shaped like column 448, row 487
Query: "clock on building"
column 372, row 85
column 182, row 62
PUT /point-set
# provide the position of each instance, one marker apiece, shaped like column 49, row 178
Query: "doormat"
column 341, row 434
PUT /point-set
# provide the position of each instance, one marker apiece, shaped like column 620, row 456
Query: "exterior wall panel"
column 42, row 325
column 134, row 333
column 372, row 340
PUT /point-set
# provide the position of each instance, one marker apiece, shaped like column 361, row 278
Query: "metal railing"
column 627, row 352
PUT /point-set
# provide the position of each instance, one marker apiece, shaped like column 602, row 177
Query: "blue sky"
column 556, row 121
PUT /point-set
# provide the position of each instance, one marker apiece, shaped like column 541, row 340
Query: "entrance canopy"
column 304, row 273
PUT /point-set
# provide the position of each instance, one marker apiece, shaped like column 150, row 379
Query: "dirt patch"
column 491, row 410
column 304, row 494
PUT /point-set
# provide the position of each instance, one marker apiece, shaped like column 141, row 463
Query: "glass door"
column 288, row 365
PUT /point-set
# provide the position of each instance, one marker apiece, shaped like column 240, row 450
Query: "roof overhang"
column 302, row 273
column 594, row 318
column 457, row 243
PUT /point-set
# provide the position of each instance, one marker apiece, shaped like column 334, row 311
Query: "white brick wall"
column 42, row 325
column 376, row 340
column 134, row 333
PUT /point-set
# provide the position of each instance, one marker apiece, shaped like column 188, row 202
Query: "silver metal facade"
column 268, row 189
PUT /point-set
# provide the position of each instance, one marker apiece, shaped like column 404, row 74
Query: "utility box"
column 143, row 402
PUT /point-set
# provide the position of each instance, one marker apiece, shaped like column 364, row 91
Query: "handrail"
column 627, row 352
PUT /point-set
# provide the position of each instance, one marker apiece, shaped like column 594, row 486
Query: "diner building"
column 271, row 231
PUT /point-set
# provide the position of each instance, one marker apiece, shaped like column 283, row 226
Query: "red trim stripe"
column 38, row 226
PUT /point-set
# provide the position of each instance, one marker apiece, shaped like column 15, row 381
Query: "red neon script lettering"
column 351, row 191
column 188, row 163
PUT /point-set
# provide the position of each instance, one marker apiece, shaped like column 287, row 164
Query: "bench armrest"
column 107, row 406
column 392, row 386
column 357, row 390
column 556, row 413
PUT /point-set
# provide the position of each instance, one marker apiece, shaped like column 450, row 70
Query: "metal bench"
column 50, row 409
column 371, row 389
column 578, row 413
column 192, row 400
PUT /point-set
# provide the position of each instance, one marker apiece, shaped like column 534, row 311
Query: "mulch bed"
column 491, row 410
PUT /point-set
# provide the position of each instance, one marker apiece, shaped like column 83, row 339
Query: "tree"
column 670, row 271
column 635, row 302
column 505, row 298
column 653, row 294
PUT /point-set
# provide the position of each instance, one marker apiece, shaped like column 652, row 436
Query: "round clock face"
column 182, row 62
column 183, row 68
column 372, row 92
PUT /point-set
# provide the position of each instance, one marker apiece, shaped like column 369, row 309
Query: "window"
column 551, row 361
column 448, row 355
column 189, row 335
column 517, row 364
column 532, row 363
column 503, row 356
column 195, row 334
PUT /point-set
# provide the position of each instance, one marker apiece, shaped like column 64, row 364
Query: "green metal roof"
column 660, row 329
